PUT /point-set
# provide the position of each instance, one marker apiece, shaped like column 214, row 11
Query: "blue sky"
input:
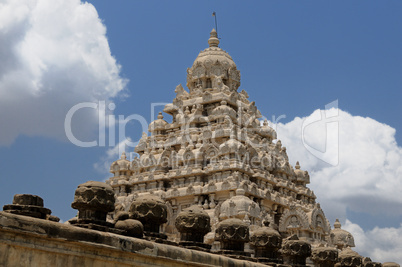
column 294, row 56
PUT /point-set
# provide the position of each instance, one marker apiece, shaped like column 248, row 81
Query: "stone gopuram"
column 214, row 187
column 216, row 153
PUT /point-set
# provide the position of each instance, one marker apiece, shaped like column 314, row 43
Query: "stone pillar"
column 212, row 204
column 349, row 258
column 267, row 241
column 193, row 224
column 232, row 234
column 324, row 256
column 295, row 252
column 93, row 200
column 151, row 211
column 29, row 205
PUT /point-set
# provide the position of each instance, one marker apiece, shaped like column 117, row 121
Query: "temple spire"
column 337, row 224
column 297, row 165
column 213, row 40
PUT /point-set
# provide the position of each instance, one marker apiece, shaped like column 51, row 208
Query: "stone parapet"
column 49, row 243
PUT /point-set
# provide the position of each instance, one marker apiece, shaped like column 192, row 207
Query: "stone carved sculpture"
column 341, row 238
column 232, row 234
column 349, row 258
column 367, row 262
column 180, row 92
column 239, row 206
column 151, row 211
column 324, row 256
column 93, row 200
column 218, row 83
column 267, row 242
column 193, row 224
column 295, row 251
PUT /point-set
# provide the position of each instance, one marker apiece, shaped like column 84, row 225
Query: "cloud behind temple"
column 54, row 55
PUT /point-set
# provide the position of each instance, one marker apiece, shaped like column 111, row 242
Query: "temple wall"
column 26, row 241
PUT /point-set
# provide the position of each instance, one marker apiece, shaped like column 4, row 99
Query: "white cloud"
column 54, row 54
column 113, row 154
column 380, row 244
column 368, row 176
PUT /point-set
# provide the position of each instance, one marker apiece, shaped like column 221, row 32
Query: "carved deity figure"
column 294, row 222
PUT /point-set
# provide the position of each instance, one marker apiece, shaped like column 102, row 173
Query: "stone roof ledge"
column 53, row 243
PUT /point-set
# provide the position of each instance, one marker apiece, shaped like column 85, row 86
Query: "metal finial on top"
column 216, row 23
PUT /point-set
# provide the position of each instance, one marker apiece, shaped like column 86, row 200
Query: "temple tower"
column 217, row 154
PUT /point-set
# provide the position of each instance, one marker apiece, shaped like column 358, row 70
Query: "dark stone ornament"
column 295, row 251
column 367, row 262
column 232, row 234
column 324, row 256
column 151, row 211
column 349, row 258
column 193, row 224
column 93, row 200
column 131, row 227
column 29, row 205
column 267, row 241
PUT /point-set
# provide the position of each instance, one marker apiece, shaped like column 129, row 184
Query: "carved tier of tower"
column 217, row 154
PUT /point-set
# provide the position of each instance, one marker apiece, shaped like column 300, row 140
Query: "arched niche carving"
column 318, row 220
column 206, row 97
column 225, row 185
column 188, row 155
column 135, row 164
column 164, row 159
column 289, row 217
column 190, row 190
column 211, row 154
